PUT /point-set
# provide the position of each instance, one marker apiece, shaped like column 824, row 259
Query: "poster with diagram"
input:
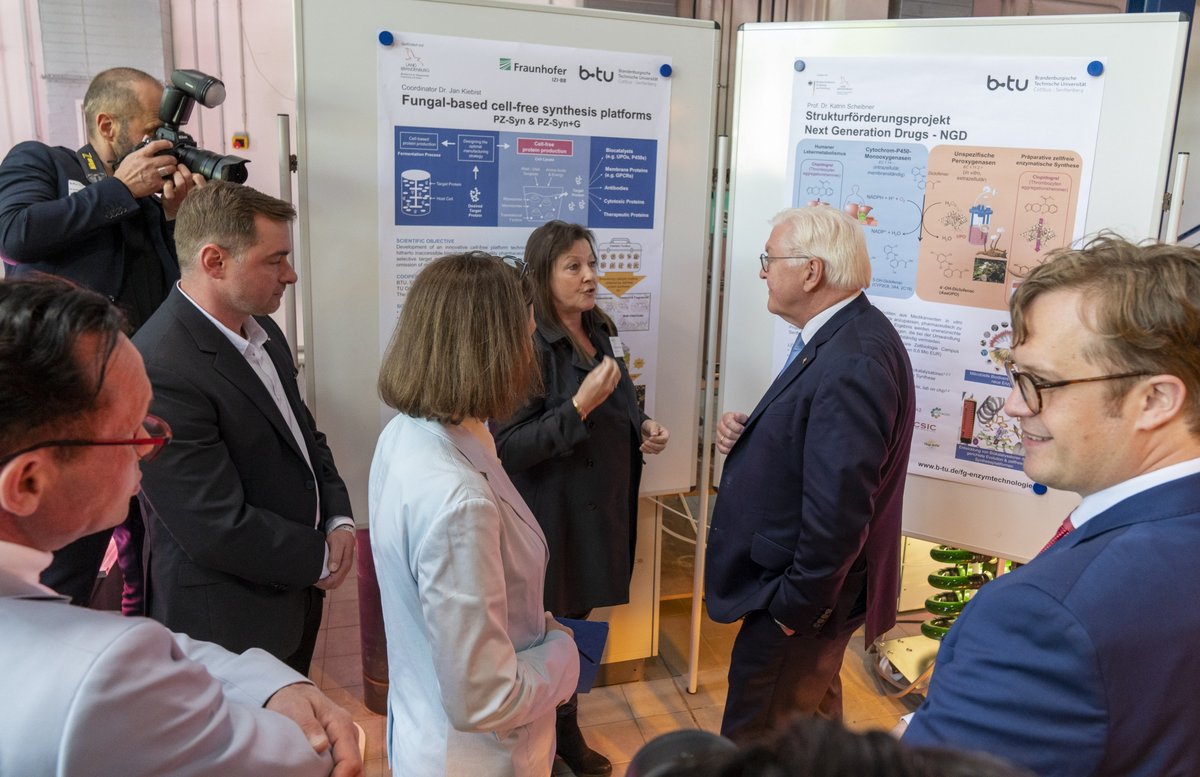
column 964, row 173
column 481, row 142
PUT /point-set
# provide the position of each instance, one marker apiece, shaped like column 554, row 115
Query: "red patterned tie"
column 1063, row 531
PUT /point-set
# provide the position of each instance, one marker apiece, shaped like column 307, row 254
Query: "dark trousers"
column 774, row 678
column 301, row 659
column 569, row 737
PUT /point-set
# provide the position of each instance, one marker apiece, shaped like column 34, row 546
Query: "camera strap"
column 89, row 160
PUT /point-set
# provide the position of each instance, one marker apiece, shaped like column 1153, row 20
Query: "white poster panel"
column 964, row 173
column 481, row 142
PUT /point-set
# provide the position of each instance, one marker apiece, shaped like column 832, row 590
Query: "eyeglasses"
column 158, row 434
column 517, row 263
column 1031, row 389
column 764, row 260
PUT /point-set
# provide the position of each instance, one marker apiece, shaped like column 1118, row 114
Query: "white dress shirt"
column 253, row 350
column 1094, row 504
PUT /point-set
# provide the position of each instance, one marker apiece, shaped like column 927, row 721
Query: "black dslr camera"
column 187, row 87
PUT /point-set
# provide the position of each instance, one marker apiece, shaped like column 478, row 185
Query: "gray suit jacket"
column 92, row 693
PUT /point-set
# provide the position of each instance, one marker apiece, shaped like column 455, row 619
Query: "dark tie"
column 1063, row 531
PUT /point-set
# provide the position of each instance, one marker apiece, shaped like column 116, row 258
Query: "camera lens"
column 214, row 167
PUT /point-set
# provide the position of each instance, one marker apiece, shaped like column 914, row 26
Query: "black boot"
column 583, row 760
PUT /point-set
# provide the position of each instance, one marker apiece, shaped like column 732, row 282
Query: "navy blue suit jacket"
column 234, row 546
column 44, row 227
column 807, row 522
column 1083, row 662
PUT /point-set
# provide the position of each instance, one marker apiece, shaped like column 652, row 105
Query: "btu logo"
column 1011, row 84
column 598, row 73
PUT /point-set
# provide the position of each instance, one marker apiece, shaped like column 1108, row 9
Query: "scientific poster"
column 964, row 173
column 482, row 141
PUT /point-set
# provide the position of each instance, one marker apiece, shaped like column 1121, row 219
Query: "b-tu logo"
column 597, row 73
column 1010, row 83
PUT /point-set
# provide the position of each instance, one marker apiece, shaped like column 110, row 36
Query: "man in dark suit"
column 805, row 537
column 100, row 216
column 250, row 519
column 1082, row 662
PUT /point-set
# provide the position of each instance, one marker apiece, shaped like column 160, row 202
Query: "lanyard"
column 92, row 169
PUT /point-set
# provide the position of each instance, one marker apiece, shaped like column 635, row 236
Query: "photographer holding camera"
column 100, row 216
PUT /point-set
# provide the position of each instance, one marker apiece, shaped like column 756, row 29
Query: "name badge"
column 618, row 348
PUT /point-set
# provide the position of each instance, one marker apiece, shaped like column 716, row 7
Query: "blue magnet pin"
column 799, row 65
column 1039, row 489
column 386, row 38
column 1095, row 67
column 665, row 71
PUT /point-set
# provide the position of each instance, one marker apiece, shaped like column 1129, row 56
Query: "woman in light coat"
column 476, row 665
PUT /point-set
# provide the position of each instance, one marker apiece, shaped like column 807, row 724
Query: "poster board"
column 1142, row 57
column 339, row 187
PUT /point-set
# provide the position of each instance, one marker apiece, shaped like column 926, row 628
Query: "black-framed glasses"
column 517, row 263
column 764, row 259
column 1031, row 389
column 158, row 434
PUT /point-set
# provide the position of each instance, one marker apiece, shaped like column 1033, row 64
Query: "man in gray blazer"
column 91, row 692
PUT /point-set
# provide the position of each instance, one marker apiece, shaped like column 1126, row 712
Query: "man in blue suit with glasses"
column 1083, row 661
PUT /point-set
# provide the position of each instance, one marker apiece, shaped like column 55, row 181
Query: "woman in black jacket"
column 575, row 452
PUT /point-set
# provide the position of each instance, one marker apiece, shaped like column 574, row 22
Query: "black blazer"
column 46, row 228
column 579, row 478
column 807, row 522
column 233, row 541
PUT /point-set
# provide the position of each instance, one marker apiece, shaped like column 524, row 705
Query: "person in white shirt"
column 87, row 692
column 249, row 521
column 1081, row 662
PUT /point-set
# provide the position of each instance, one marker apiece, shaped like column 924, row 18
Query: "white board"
column 339, row 185
column 1143, row 57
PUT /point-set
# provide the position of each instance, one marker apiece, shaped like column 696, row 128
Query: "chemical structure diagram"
column 820, row 189
column 893, row 258
column 1045, row 206
column 918, row 174
column 945, row 262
